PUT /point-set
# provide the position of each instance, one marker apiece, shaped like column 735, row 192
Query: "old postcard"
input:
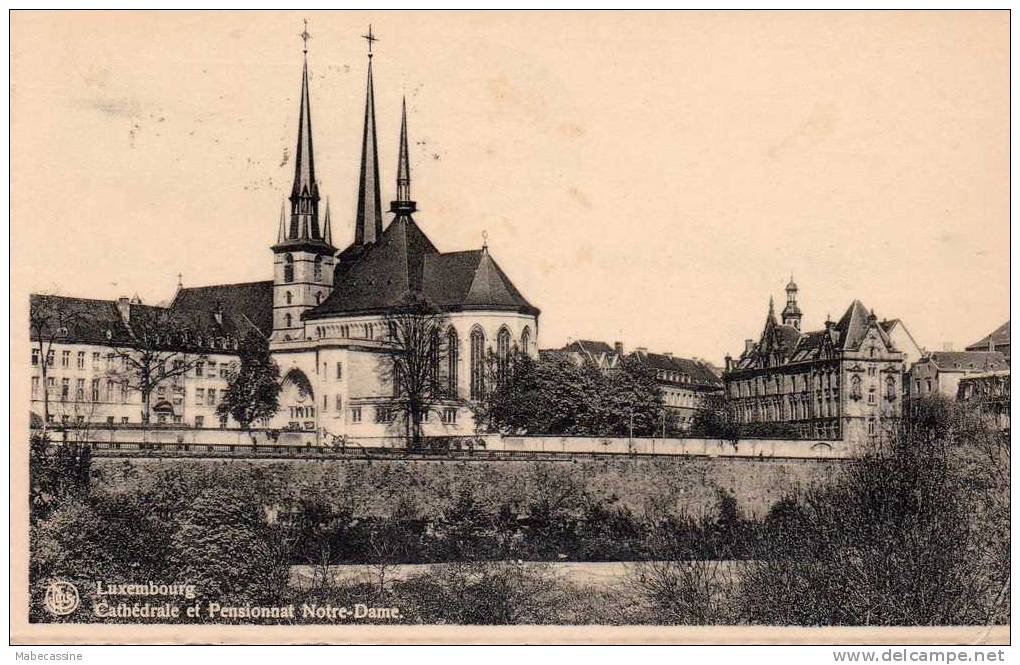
column 515, row 327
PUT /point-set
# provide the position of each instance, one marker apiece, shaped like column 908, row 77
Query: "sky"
column 647, row 177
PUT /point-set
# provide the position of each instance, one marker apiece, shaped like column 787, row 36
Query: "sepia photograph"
column 517, row 327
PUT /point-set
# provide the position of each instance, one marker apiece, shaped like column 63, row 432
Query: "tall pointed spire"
column 403, row 204
column 304, row 195
column 368, row 225
column 281, row 235
column 327, row 232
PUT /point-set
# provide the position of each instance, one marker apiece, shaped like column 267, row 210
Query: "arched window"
column 890, row 388
column 318, row 298
column 477, row 363
column 452, row 353
column 289, row 297
column 288, row 268
column 526, row 340
column 286, row 320
column 502, row 354
column 434, row 345
column 318, row 268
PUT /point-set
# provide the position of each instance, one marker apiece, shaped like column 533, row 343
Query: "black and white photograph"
column 354, row 327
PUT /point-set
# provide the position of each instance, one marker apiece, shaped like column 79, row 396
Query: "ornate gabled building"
column 843, row 382
column 325, row 311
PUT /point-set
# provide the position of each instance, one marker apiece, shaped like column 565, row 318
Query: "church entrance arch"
column 297, row 401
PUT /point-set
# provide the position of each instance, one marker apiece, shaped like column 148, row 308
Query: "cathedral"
column 323, row 314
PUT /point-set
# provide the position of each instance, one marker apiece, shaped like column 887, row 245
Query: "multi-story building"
column 685, row 382
column 842, row 382
column 326, row 314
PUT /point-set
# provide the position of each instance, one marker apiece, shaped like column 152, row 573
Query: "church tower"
column 303, row 254
column 791, row 313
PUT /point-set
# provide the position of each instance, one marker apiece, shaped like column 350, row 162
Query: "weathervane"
column 370, row 38
column 305, row 36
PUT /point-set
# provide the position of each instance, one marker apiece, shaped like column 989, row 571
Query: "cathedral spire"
column 281, row 235
column 368, row 225
column 327, row 232
column 304, row 195
column 403, row 204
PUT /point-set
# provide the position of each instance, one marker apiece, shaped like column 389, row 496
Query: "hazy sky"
column 649, row 177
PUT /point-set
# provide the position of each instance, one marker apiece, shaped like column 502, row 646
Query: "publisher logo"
column 61, row 598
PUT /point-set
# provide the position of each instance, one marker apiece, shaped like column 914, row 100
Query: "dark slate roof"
column 853, row 326
column 999, row 336
column 699, row 374
column 246, row 304
column 962, row 361
column 405, row 261
column 89, row 321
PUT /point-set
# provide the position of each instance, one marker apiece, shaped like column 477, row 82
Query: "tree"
column 716, row 419
column 416, row 351
column 253, row 390
column 224, row 546
column 913, row 532
column 50, row 320
column 160, row 350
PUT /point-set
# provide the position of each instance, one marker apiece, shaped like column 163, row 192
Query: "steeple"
column 791, row 313
column 368, row 225
column 304, row 195
column 403, row 204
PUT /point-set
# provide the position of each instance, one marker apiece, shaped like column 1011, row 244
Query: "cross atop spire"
column 370, row 38
column 305, row 36
column 403, row 204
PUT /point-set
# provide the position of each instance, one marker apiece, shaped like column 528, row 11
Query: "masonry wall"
column 374, row 487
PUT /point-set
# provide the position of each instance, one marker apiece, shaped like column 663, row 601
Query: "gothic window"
column 502, row 354
column 288, row 268
column 477, row 363
column 318, row 268
column 398, row 379
column 451, row 362
column 289, row 297
column 855, row 387
column 286, row 320
column 318, row 298
column 526, row 340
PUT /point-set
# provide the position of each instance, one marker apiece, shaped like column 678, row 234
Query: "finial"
column 370, row 38
column 485, row 239
column 180, row 280
column 305, row 36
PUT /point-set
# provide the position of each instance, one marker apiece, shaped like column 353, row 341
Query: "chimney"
column 643, row 350
column 991, row 343
column 947, row 346
column 748, row 345
column 729, row 362
column 668, row 354
column 124, row 307
column 618, row 347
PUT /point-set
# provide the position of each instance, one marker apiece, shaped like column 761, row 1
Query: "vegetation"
column 558, row 397
column 915, row 532
column 253, row 390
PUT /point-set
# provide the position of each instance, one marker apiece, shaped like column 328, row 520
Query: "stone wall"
column 375, row 486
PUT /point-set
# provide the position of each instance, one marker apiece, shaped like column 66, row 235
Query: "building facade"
column 326, row 315
column 940, row 372
column 843, row 382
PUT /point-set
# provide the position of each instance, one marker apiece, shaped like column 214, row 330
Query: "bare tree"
column 50, row 321
column 162, row 348
column 414, row 333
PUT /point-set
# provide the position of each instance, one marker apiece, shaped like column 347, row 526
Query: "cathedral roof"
column 377, row 277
